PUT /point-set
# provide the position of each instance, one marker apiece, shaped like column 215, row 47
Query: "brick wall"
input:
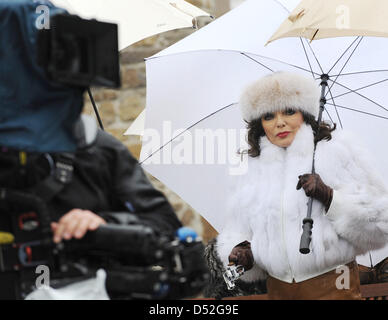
column 119, row 108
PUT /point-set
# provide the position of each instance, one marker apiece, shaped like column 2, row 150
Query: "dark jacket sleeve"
column 133, row 192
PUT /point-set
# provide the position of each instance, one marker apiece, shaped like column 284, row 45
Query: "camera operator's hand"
column 242, row 255
column 75, row 224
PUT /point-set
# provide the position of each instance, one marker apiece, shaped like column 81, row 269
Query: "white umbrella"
column 137, row 19
column 194, row 86
column 319, row 19
column 137, row 126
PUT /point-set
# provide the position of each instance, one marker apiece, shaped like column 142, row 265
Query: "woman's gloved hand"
column 315, row 188
column 242, row 255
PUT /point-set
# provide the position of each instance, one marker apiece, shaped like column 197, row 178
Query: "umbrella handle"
column 305, row 240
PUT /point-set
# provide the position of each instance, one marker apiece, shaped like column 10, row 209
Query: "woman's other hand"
column 242, row 255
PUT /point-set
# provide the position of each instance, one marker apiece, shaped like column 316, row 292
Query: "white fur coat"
column 266, row 209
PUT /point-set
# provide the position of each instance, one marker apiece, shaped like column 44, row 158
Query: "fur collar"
column 303, row 145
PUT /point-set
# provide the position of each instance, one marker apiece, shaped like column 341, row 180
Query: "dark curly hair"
column 256, row 131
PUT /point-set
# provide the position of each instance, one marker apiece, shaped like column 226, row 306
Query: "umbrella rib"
column 359, row 94
column 244, row 54
column 235, row 51
column 336, row 110
column 308, row 60
column 364, row 112
column 283, row 6
column 327, row 111
column 343, row 54
column 358, row 89
column 343, row 67
column 311, row 49
column 183, row 131
column 288, row 64
column 358, row 72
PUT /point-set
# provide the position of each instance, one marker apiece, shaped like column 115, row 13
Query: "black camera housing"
column 79, row 52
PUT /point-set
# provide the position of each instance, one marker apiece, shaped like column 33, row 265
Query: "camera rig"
column 140, row 263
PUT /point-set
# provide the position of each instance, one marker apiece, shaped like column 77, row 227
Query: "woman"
column 264, row 225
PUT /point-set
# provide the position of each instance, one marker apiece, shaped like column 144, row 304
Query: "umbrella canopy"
column 193, row 124
column 137, row 19
column 319, row 19
column 137, row 126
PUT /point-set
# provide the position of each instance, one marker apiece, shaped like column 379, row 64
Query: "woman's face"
column 281, row 127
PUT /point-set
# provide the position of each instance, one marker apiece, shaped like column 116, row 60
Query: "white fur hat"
column 279, row 91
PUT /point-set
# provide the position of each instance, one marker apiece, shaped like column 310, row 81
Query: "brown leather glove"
column 315, row 188
column 242, row 255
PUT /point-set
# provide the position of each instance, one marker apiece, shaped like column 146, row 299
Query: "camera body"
column 140, row 263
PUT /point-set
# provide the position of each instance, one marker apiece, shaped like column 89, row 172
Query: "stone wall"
column 119, row 108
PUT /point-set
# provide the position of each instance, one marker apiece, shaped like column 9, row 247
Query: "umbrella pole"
column 305, row 240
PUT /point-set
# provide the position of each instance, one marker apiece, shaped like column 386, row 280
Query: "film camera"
column 79, row 52
column 140, row 264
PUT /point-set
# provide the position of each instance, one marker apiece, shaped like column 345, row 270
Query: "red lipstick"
column 283, row 134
